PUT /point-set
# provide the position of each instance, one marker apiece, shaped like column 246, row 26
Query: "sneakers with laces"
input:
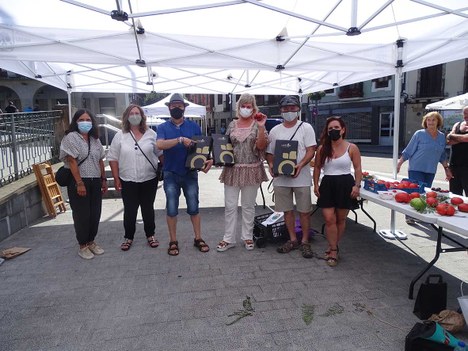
column 95, row 249
column 85, row 253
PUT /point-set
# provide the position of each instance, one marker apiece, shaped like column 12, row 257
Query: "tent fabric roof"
column 203, row 46
column 159, row 108
column 453, row 103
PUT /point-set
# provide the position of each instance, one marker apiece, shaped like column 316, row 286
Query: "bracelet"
column 180, row 140
column 79, row 183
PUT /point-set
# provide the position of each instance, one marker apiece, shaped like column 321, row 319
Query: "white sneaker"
column 95, row 249
column 85, row 253
column 223, row 246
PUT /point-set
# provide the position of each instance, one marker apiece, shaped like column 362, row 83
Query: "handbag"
column 64, row 176
column 431, row 298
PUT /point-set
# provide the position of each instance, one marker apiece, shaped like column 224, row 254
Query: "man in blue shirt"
column 175, row 139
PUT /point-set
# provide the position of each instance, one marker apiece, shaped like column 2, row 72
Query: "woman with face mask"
column 82, row 152
column 338, row 188
column 249, row 139
column 133, row 158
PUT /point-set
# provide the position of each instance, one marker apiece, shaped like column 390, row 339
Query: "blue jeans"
column 427, row 178
column 173, row 183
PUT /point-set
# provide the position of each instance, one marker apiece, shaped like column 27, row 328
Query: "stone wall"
column 20, row 205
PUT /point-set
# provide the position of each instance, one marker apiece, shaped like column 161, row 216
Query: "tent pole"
column 69, row 105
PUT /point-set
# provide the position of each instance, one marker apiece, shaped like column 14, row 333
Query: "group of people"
column 137, row 150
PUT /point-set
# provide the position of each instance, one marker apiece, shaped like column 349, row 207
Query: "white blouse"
column 133, row 165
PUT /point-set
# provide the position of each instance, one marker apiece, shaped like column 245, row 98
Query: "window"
column 430, row 82
column 383, row 83
column 351, row 91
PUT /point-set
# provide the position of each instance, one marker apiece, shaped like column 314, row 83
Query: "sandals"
column 125, row 246
column 152, row 242
column 306, row 250
column 288, row 246
column 173, row 249
column 249, row 245
column 224, row 246
column 332, row 261
column 201, row 245
column 327, row 253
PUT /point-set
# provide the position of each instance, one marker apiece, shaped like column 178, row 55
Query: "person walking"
column 338, row 190
column 175, row 138
column 249, row 140
column 11, row 108
column 82, row 152
column 424, row 151
column 458, row 139
column 133, row 159
column 299, row 185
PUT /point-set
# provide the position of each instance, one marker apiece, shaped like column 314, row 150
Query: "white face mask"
column 245, row 112
column 134, row 119
column 289, row 116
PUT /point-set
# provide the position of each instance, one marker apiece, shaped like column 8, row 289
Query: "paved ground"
column 144, row 299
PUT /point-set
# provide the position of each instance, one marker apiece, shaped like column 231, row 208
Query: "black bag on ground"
column 63, row 176
column 431, row 298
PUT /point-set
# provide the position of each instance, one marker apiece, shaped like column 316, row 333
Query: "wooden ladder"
column 50, row 190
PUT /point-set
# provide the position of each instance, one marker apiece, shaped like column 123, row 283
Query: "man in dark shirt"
column 11, row 108
column 458, row 138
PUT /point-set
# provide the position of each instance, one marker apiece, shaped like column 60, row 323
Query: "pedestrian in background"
column 81, row 145
column 11, row 108
column 133, row 158
column 338, row 190
column 249, row 140
column 299, row 185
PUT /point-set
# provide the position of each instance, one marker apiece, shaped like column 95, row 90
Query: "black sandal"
column 152, row 242
column 125, row 246
column 201, row 245
column 173, row 249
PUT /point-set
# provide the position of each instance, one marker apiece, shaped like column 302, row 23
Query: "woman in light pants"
column 249, row 140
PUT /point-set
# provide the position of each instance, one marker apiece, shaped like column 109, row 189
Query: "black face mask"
column 334, row 134
column 176, row 113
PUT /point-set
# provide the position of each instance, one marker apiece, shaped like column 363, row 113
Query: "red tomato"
column 463, row 207
column 445, row 209
column 450, row 210
column 413, row 186
column 456, row 200
column 432, row 201
column 402, row 197
column 441, row 209
column 414, row 195
column 406, row 182
column 401, row 186
column 380, row 181
column 431, row 194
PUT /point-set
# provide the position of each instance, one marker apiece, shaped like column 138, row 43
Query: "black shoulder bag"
column 159, row 172
column 64, row 176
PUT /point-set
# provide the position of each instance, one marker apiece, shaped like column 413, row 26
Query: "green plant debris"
column 359, row 307
column 247, row 311
column 308, row 313
column 333, row 310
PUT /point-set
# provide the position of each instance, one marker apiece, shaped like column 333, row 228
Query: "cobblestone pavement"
column 144, row 299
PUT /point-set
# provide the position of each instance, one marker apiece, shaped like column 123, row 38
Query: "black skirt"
column 335, row 192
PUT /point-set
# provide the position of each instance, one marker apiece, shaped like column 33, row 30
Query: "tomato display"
column 431, row 201
column 463, row 207
column 445, row 209
column 402, row 197
column 431, row 194
column 456, row 200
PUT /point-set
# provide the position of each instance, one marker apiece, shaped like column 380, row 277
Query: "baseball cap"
column 289, row 100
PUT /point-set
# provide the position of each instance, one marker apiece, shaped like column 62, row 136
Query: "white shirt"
column 133, row 166
column 305, row 136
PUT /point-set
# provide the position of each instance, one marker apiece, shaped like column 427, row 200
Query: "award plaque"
column 222, row 150
column 285, row 157
column 199, row 152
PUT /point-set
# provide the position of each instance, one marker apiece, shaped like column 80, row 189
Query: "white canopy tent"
column 453, row 103
column 203, row 46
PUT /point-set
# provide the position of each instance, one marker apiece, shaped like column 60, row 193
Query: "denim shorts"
column 173, row 183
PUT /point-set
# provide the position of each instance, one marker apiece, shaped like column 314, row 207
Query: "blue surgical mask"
column 289, row 116
column 85, row 126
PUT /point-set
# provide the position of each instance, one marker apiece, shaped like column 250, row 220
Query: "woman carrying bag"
column 82, row 152
column 133, row 158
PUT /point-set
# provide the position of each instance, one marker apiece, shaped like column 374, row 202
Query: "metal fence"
column 26, row 139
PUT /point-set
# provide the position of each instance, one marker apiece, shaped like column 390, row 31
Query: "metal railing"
column 26, row 139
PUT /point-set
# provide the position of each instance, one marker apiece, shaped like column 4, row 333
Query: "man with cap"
column 300, row 183
column 175, row 139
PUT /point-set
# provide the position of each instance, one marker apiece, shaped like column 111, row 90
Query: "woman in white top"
column 338, row 188
column 133, row 158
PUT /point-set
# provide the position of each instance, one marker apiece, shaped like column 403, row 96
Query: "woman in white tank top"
column 338, row 189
